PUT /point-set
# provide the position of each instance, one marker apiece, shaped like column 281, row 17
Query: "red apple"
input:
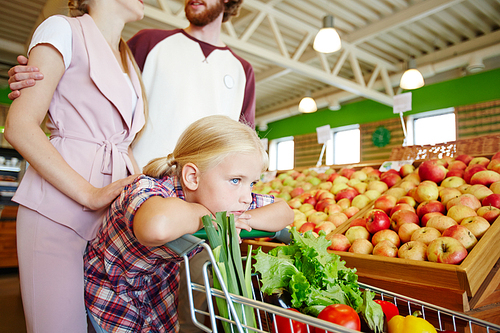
column 477, row 225
column 426, row 191
column 361, row 246
column 386, row 234
column 344, row 203
column 385, row 248
column 348, row 192
column 481, row 160
column 485, row 177
column 462, row 234
column 471, row 170
column 457, row 165
column 426, row 217
column 325, row 226
column 360, row 221
column 356, row 232
column 452, row 181
column 406, row 230
column 429, row 207
column 377, row 221
column 333, row 208
column 350, row 211
column 323, row 203
column 403, row 216
column 385, row 203
column 446, row 194
column 413, row 250
column 441, row 223
column 425, row 235
column 446, row 250
column 479, row 191
column 346, row 172
column 407, row 200
column 339, row 242
column 489, row 213
column 337, row 218
column 455, row 173
column 296, row 192
column 317, row 217
column 401, row 206
column 378, row 186
column 466, row 199
column 322, row 194
column 390, row 178
column 459, row 212
column 464, row 158
column 306, row 227
column 406, row 169
column 431, row 170
column 492, row 200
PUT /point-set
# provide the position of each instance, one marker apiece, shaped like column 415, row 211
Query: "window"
column 432, row 127
column 344, row 148
column 281, row 154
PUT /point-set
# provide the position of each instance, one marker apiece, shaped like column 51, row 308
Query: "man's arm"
column 22, row 76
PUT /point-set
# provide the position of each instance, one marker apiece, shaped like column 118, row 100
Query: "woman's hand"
column 99, row 198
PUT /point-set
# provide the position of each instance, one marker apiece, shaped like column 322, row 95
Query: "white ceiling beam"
column 402, row 18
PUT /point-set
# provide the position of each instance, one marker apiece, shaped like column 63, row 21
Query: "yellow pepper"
column 409, row 324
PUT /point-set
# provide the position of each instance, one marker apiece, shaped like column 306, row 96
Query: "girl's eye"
column 252, row 184
column 235, row 181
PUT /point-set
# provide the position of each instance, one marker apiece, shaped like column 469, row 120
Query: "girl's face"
column 228, row 186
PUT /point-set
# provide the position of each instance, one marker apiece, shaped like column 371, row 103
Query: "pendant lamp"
column 412, row 78
column 308, row 104
column 327, row 39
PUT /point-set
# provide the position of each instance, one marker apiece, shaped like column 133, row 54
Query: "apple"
column 401, row 206
column 485, row 177
column 346, row 172
column 322, row 194
column 462, row 234
column 310, row 200
column 407, row 185
column 452, row 181
column 385, row 248
column 466, row 199
column 431, row 170
column 481, row 160
column 385, row 202
column 336, row 188
column 471, row 170
column 285, row 196
column 306, row 227
column 390, row 178
column 359, row 221
column 455, row 173
column 360, row 187
column 326, row 226
column 356, row 232
column 372, row 194
column 425, row 192
column 427, row 217
column 376, row 221
column 306, row 207
column 340, row 180
column 386, row 234
column 314, row 181
column 425, row 235
column 396, row 192
column 403, row 216
column 479, row 191
column 361, row 246
column 496, row 156
column 406, row 199
column 464, row 158
column 446, row 250
column 360, row 174
column 378, row 186
column 413, row 250
column 457, row 165
column 445, row 160
column 297, row 191
column 413, row 177
column 298, row 215
column 323, row 203
column 337, row 218
column 459, row 212
column 339, row 242
column 495, row 187
column 429, row 207
column 332, row 208
column 350, row 211
column 360, row 201
column 332, row 177
column 317, row 217
column 294, row 203
column 406, row 169
column 406, row 230
column 323, row 176
column 492, row 200
column 489, row 213
column 348, row 192
column 494, row 164
column 304, row 196
column 477, row 225
column 441, row 223
column 448, row 193
column 344, row 203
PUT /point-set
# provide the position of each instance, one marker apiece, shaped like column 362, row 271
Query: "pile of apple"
column 438, row 212
column 326, row 200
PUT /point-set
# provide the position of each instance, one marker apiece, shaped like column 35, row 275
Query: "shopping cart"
column 265, row 313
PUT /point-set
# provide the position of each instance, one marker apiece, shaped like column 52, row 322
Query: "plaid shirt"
column 130, row 287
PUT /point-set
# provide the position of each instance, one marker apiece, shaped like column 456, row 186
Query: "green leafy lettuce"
column 314, row 278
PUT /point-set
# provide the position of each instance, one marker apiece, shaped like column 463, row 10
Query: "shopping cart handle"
column 184, row 244
column 282, row 235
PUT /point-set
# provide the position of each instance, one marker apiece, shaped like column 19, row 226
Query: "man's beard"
column 205, row 17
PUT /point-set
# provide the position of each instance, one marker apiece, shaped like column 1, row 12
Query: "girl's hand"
column 242, row 222
column 102, row 197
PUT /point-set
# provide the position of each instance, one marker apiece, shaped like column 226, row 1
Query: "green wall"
column 4, row 91
column 470, row 89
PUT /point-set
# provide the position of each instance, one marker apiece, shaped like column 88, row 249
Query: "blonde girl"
column 131, row 276
column 95, row 108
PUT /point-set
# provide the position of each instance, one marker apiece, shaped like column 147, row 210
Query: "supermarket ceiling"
column 448, row 38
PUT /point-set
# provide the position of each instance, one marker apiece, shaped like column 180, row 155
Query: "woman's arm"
column 137, row 170
column 23, row 132
column 160, row 220
column 272, row 217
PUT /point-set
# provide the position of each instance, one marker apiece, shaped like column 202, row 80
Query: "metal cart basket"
column 265, row 313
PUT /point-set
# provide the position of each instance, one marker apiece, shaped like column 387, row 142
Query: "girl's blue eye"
column 252, row 185
column 235, row 181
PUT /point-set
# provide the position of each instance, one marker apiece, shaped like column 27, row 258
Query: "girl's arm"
column 272, row 217
column 23, row 132
column 160, row 220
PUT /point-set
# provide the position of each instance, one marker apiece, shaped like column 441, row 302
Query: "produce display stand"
column 265, row 313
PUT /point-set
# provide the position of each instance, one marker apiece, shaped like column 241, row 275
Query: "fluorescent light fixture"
column 327, row 39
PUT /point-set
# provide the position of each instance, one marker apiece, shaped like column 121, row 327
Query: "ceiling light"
column 327, row 40
column 307, row 104
column 412, row 78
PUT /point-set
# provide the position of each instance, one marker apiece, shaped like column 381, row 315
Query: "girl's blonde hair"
column 206, row 143
column 81, row 7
